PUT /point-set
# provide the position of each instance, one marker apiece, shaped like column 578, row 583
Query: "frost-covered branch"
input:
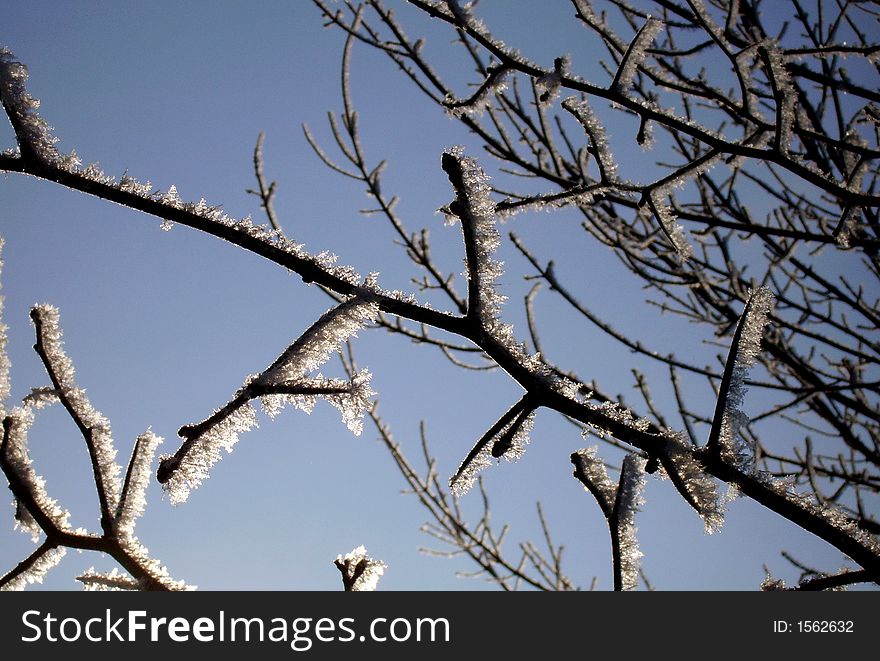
column 285, row 381
column 121, row 502
column 725, row 437
column 93, row 426
column 360, row 572
column 618, row 503
column 507, row 438
column 474, row 208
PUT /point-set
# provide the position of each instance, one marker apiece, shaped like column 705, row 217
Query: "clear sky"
column 164, row 326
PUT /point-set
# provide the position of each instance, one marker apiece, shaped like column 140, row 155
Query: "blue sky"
column 164, row 326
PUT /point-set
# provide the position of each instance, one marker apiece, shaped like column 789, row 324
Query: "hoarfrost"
column 636, row 53
column 324, row 337
column 629, row 499
column 285, row 381
column 744, row 353
column 613, row 411
column 590, row 470
column 508, row 442
column 154, row 569
column 671, row 227
column 599, row 148
column 481, row 99
column 475, row 209
column 784, row 92
column 98, row 436
column 831, row 514
column 698, row 488
column 847, row 225
column 31, row 129
column 770, row 584
column 550, row 82
column 134, row 500
column 17, row 458
column 94, row 581
column 205, row 451
column 361, row 573
column 38, row 569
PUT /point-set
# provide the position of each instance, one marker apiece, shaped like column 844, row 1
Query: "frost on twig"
column 37, row 565
column 34, row 507
column 550, row 82
column 93, row 425
column 670, row 226
column 507, row 438
column 94, row 581
column 121, row 502
column 635, row 54
column 784, row 93
column 134, row 501
column 725, row 437
column 481, row 99
column 619, row 503
column 474, row 208
column 591, row 471
column 692, row 482
column 285, row 381
column 360, row 572
column 34, row 135
column 595, row 130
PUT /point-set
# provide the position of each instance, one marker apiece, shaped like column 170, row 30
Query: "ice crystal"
column 613, row 412
column 99, row 438
column 352, row 403
column 172, row 198
column 481, row 99
column 18, row 460
column 31, row 129
column 599, row 148
column 671, row 227
column 831, row 514
column 629, row 499
column 785, row 94
column 770, row 584
column 847, row 225
column 25, row 521
column 508, row 442
column 744, row 352
column 698, row 488
column 475, row 209
column 37, row 570
column 134, row 496
column 636, row 53
column 549, row 84
column 154, row 570
column 325, row 336
column 590, row 470
column 285, row 381
column 94, row 581
column 361, row 573
column 203, row 211
column 205, row 451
